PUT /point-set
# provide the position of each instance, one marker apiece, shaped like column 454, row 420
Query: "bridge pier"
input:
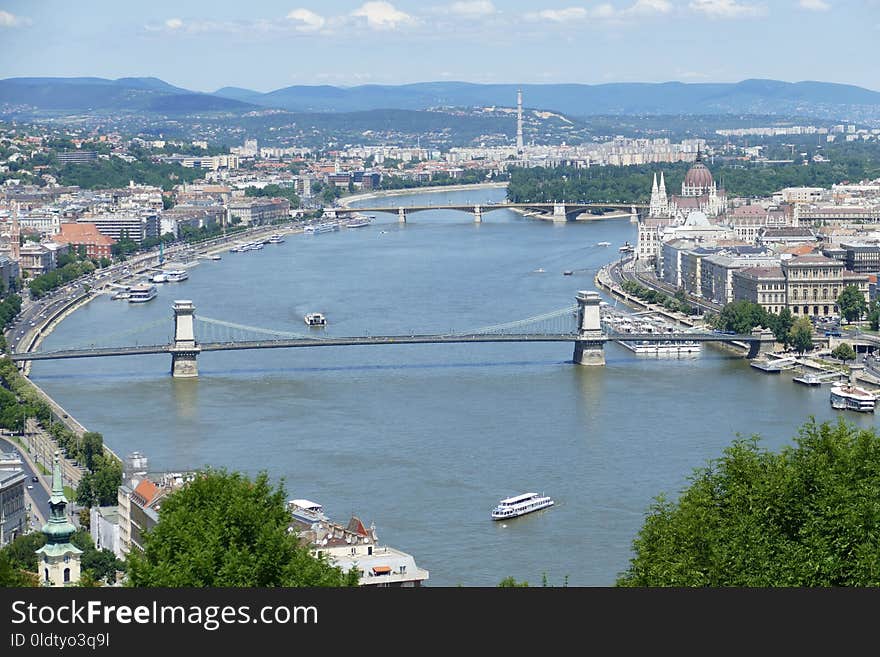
column 559, row 212
column 478, row 215
column 589, row 349
column 401, row 215
column 765, row 344
column 184, row 350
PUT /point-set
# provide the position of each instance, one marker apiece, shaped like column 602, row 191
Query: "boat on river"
column 315, row 319
column 142, row 293
column 852, row 398
column 512, row 507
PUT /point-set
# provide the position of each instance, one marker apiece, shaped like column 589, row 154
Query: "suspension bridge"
column 581, row 323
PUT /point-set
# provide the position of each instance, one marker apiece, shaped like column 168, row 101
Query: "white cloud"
column 11, row 20
column 559, row 15
column 605, row 11
column 308, row 21
column 650, row 7
column 174, row 23
column 473, row 8
column 725, row 8
column 814, row 5
column 382, row 15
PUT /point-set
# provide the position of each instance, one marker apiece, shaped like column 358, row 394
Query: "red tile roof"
column 82, row 233
column 146, row 491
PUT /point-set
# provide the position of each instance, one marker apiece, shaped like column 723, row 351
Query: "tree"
column 805, row 516
column 92, row 447
column 741, row 317
column 844, row 352
column 222, row 529
column 800, row 337
column 781, row 325
column 510, row 582
column 874, row 315
column 851, row 303
column 10, row 576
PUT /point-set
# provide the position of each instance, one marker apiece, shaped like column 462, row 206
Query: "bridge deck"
column 375, row 340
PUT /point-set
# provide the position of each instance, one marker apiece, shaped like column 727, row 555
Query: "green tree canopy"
column 806, row 516
column 741, row 317
column 222, row 529
column 800, row 337
column 844, row 352
column 852, row 303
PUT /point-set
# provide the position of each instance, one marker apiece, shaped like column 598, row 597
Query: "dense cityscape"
column 722, row 260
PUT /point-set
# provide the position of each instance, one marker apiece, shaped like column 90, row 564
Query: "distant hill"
column 237, row 93
column 748, row 96
column 102, row 95
column 767, row 97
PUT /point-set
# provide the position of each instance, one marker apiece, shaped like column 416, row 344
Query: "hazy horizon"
column 204, row 46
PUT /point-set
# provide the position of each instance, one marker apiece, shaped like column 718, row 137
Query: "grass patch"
column 69, row 493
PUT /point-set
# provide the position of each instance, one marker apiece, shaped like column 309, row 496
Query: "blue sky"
column 265, row 45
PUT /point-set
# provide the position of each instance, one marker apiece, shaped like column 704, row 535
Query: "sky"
column 269, row 44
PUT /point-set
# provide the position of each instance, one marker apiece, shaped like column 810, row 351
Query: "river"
column 424, row 440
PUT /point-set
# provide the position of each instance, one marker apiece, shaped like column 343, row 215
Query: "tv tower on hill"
column 519, row 135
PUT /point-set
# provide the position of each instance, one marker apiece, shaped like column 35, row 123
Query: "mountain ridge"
column 150, row 94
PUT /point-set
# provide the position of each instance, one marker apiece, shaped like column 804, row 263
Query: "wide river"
column 424, row 440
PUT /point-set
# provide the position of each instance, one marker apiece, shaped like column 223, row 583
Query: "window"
column 66, row 575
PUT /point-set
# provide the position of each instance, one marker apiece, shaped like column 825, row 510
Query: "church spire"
column 58, row 529
column 59, row 558
column 654, row 186
column 662, row 184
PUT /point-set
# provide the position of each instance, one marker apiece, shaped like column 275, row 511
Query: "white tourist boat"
column 670, row 347
column 158, row 277
column 176, row 275
column 603, row 243
column 277, row 238
column 512, row 507
column 359, row 221
column 142, row 293
column 315, row 319
column 852, row 398
column 306, row 511
column 325, row 227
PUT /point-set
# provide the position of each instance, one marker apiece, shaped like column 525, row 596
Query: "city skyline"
column 350, row 43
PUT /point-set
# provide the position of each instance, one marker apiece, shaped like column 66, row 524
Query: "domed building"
column 699, row 192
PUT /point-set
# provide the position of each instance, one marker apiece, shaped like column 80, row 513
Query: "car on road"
column 35, row 478
column 30, row 485
column 833, row 333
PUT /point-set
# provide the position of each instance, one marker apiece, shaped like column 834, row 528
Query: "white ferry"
column 512, row 507
column 277, row 238
column 326, row 227
column 176, row 275
column 315, row 319
column 603, row 243
column 626, row 248
column 306, row 511
column 852, row 398
column 142, row 293
column 359, row 221
column 158, row 277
